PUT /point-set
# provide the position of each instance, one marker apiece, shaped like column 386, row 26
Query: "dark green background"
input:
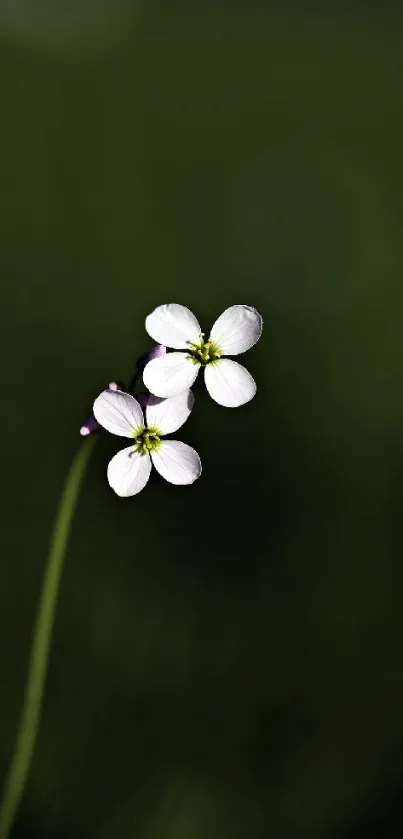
column 228, row 658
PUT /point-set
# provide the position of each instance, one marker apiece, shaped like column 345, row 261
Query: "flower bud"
column 155, row 352
column 91, row 426
column 142, row 399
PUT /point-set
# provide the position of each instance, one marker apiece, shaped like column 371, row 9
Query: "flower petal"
column 173, row 325
column 177, row 462
column 229, row 383
column 170, row 374
column 167, row 415
column 118, row 412
column 237, row 329
column 128, row 472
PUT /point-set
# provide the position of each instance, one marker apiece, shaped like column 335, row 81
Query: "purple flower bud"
column 90, row 426
column 155, row 352
column 116, row 386
column 142, row 399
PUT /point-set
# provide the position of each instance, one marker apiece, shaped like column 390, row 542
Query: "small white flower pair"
column 168, row 377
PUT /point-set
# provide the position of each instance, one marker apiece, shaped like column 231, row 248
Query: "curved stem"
column 31, row 708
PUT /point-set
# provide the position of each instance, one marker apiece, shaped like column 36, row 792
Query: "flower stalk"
column 39, row 657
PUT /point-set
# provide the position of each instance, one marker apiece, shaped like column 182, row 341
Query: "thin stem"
column 38, row 662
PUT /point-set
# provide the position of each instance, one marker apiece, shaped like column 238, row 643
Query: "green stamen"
column 204, row 352
column 147, row 440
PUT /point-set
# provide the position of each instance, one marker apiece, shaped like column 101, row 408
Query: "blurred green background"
column 227, row 659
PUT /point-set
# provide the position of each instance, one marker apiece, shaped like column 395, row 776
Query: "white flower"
column 175, row 326
column 129, row 470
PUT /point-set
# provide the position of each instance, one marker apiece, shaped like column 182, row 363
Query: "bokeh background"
column 228, row 658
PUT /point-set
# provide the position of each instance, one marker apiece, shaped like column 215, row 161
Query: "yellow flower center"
column 204, row 352
column 147, row 440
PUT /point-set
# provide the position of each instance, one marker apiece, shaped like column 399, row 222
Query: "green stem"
column 31, row 708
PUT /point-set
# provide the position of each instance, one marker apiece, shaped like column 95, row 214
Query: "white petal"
column 177, row 462
column 237, row 329
column 173, row 325
column 229, row 383
column 170, row 374
column 167, row 415
column 128, row 472
column 118, row 412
